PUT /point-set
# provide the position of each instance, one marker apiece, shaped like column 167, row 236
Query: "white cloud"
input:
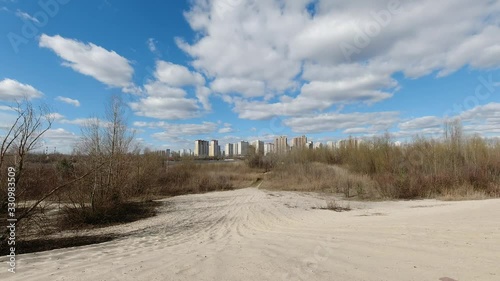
column 89, row 59
column 166, row 108
column 226, row 129
column 56, row 116
column 6, row 108
column 273, row 48
column 73, row 102
column 482, row 119
column 173, row 131
column 25, row 16
column 178, row 135
column 203, row 94
column 165, row 100
column 80, row 121
column 490, row 111
column 11, row 90
column 151, row 42
column 177, row 75
column 60, row 139
column 422, row 123
column 331, row 122
column 245, row 87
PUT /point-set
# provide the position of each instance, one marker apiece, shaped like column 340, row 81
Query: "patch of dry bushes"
column 454, row 167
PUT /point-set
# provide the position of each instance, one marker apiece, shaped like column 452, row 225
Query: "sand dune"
column 252, row 234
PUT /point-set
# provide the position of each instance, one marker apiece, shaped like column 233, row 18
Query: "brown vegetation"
column 453, row 167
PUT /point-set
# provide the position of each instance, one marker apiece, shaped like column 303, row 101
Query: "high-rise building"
column 309, row 145
column 242, row 148
column 214, row 148
column 268, row 148
column 201, row 148
column 349, row 143
column 331, row 145
column 185, row 152
column 229, row 150
column 259, row 147
column 299, row 142
column 281, row 145
column 235, row 149
column 318, row 145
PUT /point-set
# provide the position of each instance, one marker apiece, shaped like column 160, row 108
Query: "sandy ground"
column 251, row 234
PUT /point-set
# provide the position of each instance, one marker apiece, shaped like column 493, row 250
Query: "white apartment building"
column 229, row 150
column 268, row 148
column 201, row 148
column 242, row 148
column 214, row 148
column 259, row 147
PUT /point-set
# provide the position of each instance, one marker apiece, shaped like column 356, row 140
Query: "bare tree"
column 24, row 134
column 91, row 145
column 34, row 123
column 107, row 141
column 117, row 142
column 21, row 138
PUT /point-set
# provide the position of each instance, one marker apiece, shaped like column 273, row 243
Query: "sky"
column 254, row 69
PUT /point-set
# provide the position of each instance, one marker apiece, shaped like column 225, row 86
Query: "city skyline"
column 205, row 148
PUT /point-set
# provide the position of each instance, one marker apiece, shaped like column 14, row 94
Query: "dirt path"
column 251, row 234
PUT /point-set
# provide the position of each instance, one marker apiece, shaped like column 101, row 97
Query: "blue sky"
column 244, row 70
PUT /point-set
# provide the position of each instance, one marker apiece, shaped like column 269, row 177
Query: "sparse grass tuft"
column 335, row 206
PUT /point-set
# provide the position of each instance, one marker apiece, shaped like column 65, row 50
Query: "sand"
column 252, row 234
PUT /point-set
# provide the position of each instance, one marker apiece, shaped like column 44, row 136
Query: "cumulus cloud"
column 166, row 108
column 89, row 59
column 227, row 128
column 170, row 132
column 245, row 87
column 331, row 122
column 177, row 75
column 81, row 121
column 67, row 100
column 11, row 90
column 203, row 94
column 481, row 119
column 295, row 52
column 59, row 139
column 56, row 116
column 165, row 102
column 422, row 123
column 165, row 99
column 189, row 129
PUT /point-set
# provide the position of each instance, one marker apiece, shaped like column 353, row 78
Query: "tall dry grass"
column 191, row 177
column 455, row 166
column 319, row 177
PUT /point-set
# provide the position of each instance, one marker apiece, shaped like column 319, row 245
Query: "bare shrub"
column 337, row 207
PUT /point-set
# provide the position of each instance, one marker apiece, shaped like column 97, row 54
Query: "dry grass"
column 455, row 167
column 319, row 177
column 190, row 177
column 465, row 192
column 337, row 207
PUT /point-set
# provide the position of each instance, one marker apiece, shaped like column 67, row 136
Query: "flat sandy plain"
column 252, row 234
